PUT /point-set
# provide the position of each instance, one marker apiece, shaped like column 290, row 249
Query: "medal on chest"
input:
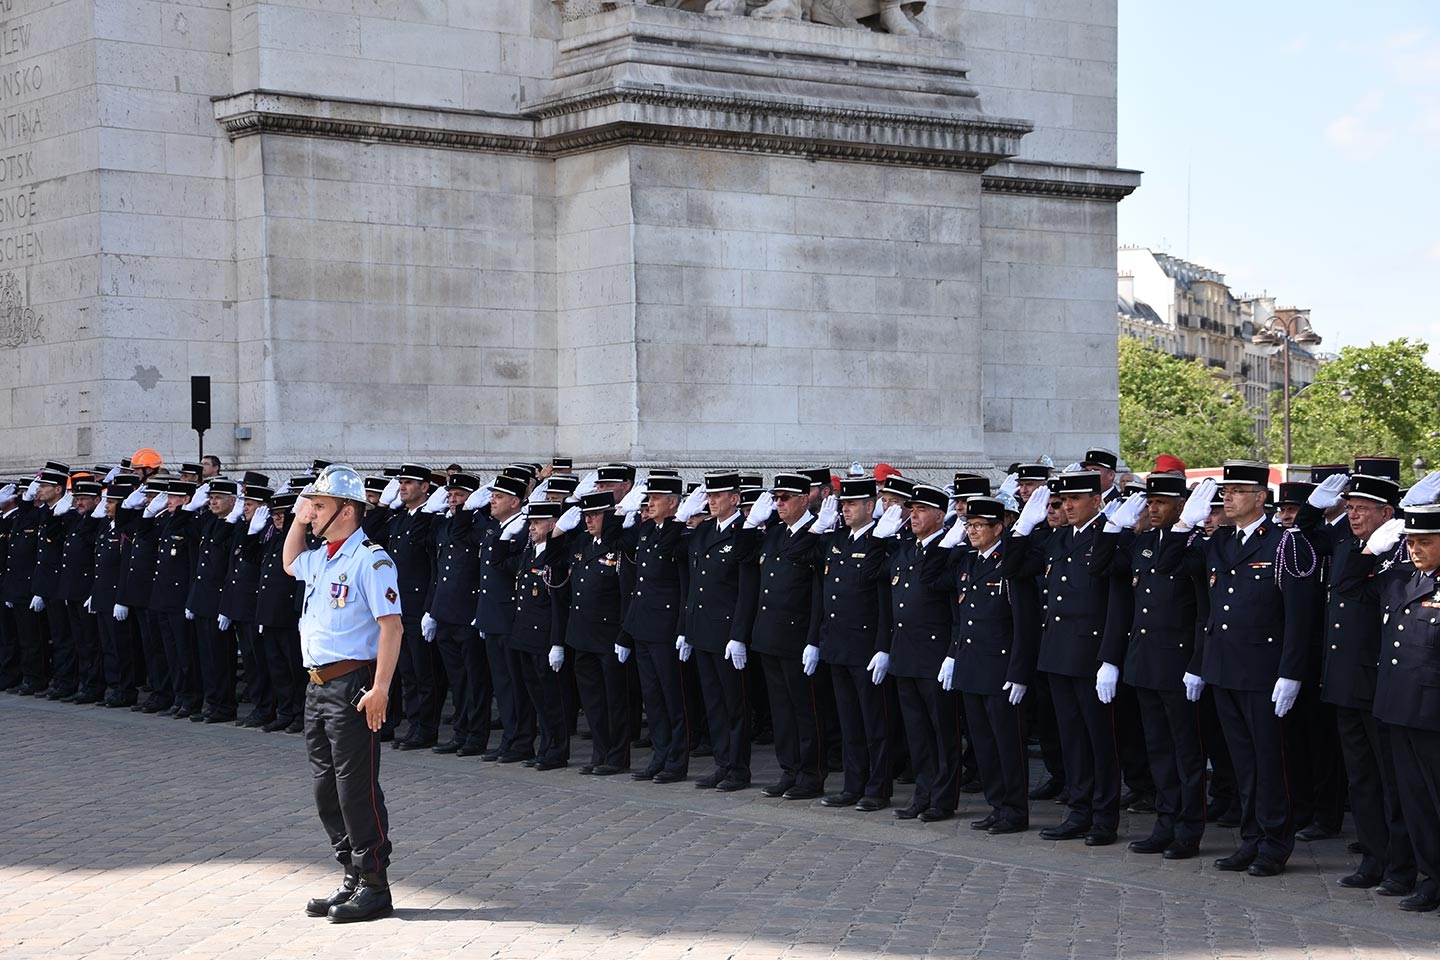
column 339, row 593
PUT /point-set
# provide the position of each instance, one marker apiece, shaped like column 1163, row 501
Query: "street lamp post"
column 1281, row 330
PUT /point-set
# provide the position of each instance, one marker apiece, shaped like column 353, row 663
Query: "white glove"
column 390, row 496
column 878, row 512
column 682, row 648
column 120, row 613
column 87, row 604
column 1033, row 513
column 1106, row 679
column 691, row 506
column 587, row 483
column 810, row 659
column 1010, row 485
column 437, row 502
column 512, row 527
column 7, row 492
column 1017, row 692
column 1328, row 493
column 736, row 653
column 955, row 535
column 1197, row 506
column 569, row 520
column 1194, row 686
column 63, row 505
column 478, row 500
column 541, row 492
column 156, row 505
column 1383, row 540
column 134, row 499
column 1108, row 511
column 1284, row 695
column 631, row 501
column 829, row 517
column 1127, row 514
column 236, row 512
column 878, row 666
column 259, row 518
column 760, row 510
column 890, row 522
column 946, row 676
column 224, row 622
column 109, row 477
column 37, row 605
column 622, row 653
column 557, row 658
column 1426, row 489
column 188, row 614
column 99, row 512
column 30, row 491
column 197, row 501
column 1073, row 467
column 427, row 627
column 630, row 520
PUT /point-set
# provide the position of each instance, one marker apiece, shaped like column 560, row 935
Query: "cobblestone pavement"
column 126, row 835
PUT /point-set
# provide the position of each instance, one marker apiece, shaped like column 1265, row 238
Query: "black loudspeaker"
column 200, row 404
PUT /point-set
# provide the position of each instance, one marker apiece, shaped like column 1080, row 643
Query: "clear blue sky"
column 1308, row 135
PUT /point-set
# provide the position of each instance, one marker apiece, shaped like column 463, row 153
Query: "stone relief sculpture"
column 901, row 17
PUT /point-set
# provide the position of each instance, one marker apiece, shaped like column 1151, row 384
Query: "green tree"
column 1380, row 400
column 1168, row 405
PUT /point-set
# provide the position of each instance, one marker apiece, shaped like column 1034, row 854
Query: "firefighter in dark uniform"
column 719, row 608
column 854, row 626
column 133, row 604
column 118, row 647
column 177, row 536
column 495, row 613
column 349, row 641
column 598, row 604
column 654, row 617
column 216, row 529
column 1264, row 595
column 1350, row 667
column 1151, row 637
column 992, row 658
column 77, row 584
column 1106, row 463
column 449, row 618
column 277, row 611
column 920, row 608
column 542, row 601
column 10, row 674
column 238, row 599
column 52, row 495
column 787, row 621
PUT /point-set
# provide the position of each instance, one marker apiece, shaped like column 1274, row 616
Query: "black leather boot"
column 320, row 906
column 370, row 900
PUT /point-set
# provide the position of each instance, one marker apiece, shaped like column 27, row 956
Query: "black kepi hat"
column 1294, row 492
column 1079, row 481
column 664, row 484
column 857, row 488
column 547, row 510
column 1366, row 487
column 1253, row 473
column 929, row 496
column 1166, row 485
column 984, row 508
column 1423, row 519
column 597, row 501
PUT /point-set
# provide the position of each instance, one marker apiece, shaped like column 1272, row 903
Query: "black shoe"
column 984, row 824
column 667, row 776
column 514, row 758
column 871, row 804
column 935, row 815
column 607, row 770
column 642, row 743
column 1422, row 902
column 1048, row 789
column 1182, row 851
column 905, row 777
column 1149, row 845
column 776, row 789
column 839, row 800
column 1359, row 881
column 1236, row 862
column 470, row 750
column 276, row 725
column 586, row 769
column 1316, row 831
column 199, row 716
column 181, row 713
column 371, row 899
column 710, row 781
column 219, row 718
column 1354, row 847
column 530, row 762
column 490, row 756
column 296, row 726
column 971, row 786
column 551, row 764
column 801, row 793
column 1145, row 804
column 1005, row 825
column 1069, row 830
column 1265, row 867
column 1394, row 888
column 702, row 749
column 908, row 813
column 419, row 743
column 1100, row 837
column 256, row 722
column 320, row 906
column 24, row 690
column 644, row 774
column 449, row 746
column 85, row 698
column 56, row 693
column 731, row 785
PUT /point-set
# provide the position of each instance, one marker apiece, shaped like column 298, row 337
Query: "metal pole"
column 1286, row 348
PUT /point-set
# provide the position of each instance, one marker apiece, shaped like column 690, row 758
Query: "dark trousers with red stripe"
column 1387, row 853
column 1177, row 763
column 723, row 688
column 603, row 685
column 462, row 651
column 345, row 762
column 547, row 691
column 420, row 684
column 1087, row 739
column 864, row 732
column 663, row 688
column 795, row 718
column 1417, row 782
column 1000, row 754
column 1256, row 738
column 932, row 727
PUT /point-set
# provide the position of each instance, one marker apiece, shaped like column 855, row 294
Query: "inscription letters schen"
column 23, row 81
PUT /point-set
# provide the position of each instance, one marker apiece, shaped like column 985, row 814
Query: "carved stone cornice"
column 1061, row 181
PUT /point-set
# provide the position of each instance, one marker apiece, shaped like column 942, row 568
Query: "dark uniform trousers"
column 795, row 714
column 549, row 693
column 463, row 653
column 259, row 684
column 345, row 760
column 34, row 654
column 1417, row 779
column 662, row 687
column 89, row 667
column 10, row 674
column 1255, row 736
column 184, row 659
column 119, row 655
column 422, row 682
column 603, row 685
column 727, row 711
column 1367, row 744
column 999, row 741
column 217, row 654
column 160, row 676
column 512, row 702
column 1087, row 739
column 279, row 648
column 864, row 731
column 932, row 728
column 64, row 660
column 1177, row 762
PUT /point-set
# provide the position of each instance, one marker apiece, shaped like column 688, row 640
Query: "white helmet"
column 339, row 480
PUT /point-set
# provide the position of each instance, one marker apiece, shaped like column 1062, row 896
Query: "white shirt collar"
column 724, row 524
column 931, row 539
column 801, row 522
column 1086, row 526
column 1244, row 532
column 857, row 534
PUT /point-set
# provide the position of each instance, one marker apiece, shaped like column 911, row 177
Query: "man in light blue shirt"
column 349, row 642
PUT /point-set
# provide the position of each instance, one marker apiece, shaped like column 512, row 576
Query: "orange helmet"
column 148, row 458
